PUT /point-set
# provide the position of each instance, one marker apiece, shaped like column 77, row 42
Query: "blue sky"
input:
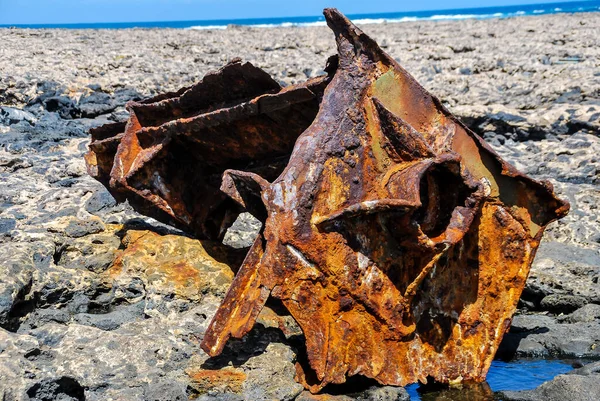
column 86, row 11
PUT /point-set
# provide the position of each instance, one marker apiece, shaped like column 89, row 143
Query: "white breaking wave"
column 208, row 27
column 453, row 16
column 361, row 21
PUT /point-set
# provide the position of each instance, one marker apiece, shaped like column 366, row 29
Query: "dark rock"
column 124, row 95
column 7, row 224
column 99, row 263
column 79, row 228
column 79, row 303
column 63, row 105
column 40, row 317
column 95, row 104
column 49, row 131
column 67, row 182
column 63, row 389
column 561, row 303
column 11, row 165
column 95, row 87
column 101, row 199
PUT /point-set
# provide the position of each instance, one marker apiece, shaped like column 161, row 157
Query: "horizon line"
column 232, row 21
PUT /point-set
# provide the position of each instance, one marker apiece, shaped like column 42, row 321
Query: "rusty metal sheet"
column 168, row 159
column 396, row 238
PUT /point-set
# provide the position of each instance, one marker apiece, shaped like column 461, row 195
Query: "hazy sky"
column 85, row 11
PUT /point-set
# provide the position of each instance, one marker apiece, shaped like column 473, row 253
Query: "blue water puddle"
column 517, row 375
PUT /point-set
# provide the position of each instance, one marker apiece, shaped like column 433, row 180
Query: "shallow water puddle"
column 524, row 374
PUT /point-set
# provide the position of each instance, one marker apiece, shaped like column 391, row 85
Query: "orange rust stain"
column 181, row 274
column 226, row 379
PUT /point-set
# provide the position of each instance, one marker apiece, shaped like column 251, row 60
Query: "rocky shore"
column 99, row 303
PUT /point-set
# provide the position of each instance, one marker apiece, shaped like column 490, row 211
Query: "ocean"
column 456, row 14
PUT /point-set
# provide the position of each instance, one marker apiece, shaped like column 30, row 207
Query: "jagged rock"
column 63, row 105
column 541, row 336
column 371, row 394
column 95, row 104
column 11, row 115
column 587, row 313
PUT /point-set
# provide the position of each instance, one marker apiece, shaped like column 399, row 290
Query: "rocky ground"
column 99, row 303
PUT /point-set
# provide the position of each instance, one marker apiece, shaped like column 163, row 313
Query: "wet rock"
column 374, row 393
column 580, row 384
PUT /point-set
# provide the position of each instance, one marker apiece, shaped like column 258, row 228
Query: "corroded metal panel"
column 168, row 159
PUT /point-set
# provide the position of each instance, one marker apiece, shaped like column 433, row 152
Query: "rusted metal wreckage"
column 396, row 238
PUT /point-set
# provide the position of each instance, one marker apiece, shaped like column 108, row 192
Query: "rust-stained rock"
column 395, row 237
column 226, row 380
column 171, row 265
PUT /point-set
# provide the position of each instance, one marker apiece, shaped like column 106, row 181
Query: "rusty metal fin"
column 243, row 302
